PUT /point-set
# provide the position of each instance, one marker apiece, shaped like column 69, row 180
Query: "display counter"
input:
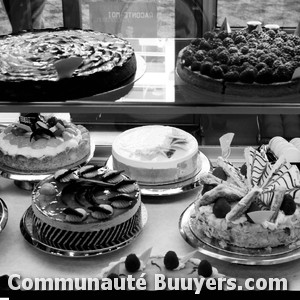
column 161, row 232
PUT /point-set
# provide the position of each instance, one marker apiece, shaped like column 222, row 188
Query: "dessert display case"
column 156, row 95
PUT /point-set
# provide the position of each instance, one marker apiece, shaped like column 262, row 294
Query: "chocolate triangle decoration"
column 297, row 30
column 144, row 257
column 65, row 67
column 225, row 26
column 296, row 73
column 188, row 256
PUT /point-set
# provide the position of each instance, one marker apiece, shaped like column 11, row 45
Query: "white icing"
column 143, row 147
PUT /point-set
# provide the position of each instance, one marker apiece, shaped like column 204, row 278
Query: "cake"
column 31, row 63
column 156, row 154
column 41, row 145
column 254, row 207
column 167, row 266
column 89, row 208
column 260, row 62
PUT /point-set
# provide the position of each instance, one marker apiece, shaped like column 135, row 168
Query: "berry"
column 206, row 66
column 247, row 76
column 221, row 208
column 171, row 260
column 264, row 76
column 219, row 172
column 288, row 205
column 205, row 268
column 195, row 66
column 216, row 72
column 243, row 170
column 132, row 263
column 52, row 121
column 207, row 187
column 231, row 76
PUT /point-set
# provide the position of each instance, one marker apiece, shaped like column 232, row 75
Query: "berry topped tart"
column 63, row 64
column 90, row 208
column 252, row 207
column 251, row 62
column 167, row 266
column 38, row 144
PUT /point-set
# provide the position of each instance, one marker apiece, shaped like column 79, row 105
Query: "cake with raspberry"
column 63, row 64
column 168, row 266
column 86, row 209
column 260, row 62
column 41, row 145
column 156, row 154
column 253, row 207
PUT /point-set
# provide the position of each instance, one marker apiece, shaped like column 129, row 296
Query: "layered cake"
column 254, row 207
column 156, row 154
column 31, row 64
column 249, row 62
column 85, row 209
column 40, row 145
column 167, row 266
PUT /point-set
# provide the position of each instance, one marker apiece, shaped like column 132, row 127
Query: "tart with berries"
column 41, row 145
column 246, row 62
column 254, row 207
column 168, row 264
column 89, row 208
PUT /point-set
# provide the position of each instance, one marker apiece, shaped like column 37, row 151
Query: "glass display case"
column 158, row 31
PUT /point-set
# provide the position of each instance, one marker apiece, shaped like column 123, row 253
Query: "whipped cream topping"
column 150, row 144
column 30, row 152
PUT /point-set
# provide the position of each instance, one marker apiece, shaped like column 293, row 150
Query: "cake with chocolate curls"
column 86, row 208
column 255, row 206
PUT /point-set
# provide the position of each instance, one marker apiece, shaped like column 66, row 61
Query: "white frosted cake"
column 156, row 154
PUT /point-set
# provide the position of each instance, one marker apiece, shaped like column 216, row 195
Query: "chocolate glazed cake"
column 27, row 71
column 86, row 209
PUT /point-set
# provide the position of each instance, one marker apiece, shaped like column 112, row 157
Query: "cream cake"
column 38, row 144
column 88, row 208
column 168, row 265
column 255, row 207
column 156, row 154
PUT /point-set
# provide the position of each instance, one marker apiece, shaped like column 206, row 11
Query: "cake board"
column 232, row 254
column 204, row 165
column 26, row 227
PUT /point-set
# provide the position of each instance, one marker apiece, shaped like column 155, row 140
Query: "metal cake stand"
column 3, row 214
column 191, row 233
column 179, row 187
column 27, row 230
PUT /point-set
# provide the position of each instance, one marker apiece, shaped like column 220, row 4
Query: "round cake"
column 31, row 63
column 156, row 154
column 41, row 145
column 167, row 266
column 253, row 207
column 85, row 209
column 247, row 62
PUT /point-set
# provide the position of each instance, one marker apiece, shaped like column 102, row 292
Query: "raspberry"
column 243, row 170
column 205, row 268
column 132, row 263
column 207, row 187
column 171, row 260
column 221, row 208
column 288, row 205
column 219, row 172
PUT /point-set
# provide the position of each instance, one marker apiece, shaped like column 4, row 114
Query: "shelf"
column 160, row 91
